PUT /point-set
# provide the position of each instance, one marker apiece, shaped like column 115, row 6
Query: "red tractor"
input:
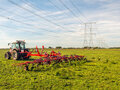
column 17, row 51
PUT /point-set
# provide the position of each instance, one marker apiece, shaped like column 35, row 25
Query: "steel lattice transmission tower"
column 88, row 35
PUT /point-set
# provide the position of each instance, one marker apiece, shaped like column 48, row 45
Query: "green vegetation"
column 101, row 71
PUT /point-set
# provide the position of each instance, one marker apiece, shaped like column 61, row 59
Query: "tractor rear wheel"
column 7, row 55
column 16, row 55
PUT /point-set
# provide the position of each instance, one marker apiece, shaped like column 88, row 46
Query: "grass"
column 101, row 71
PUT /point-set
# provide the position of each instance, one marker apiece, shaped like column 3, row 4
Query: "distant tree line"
column 59, row 47
column 114, row 47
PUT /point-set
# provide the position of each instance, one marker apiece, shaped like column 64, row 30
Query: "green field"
column 101, row 71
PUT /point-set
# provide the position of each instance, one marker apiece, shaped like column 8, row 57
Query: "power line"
column 54, row 5
column 57, row 24
column 18, row 15
column 36, row 14
column 25, row 30
column 57, row 7
column 5, row 26
column 29, row 4
column 27, row 24
column 36, row 8
column 12, row 27
column 26, row 1
column 78, row 9
column 15, row 14
column 70, row 11
column 15, row 20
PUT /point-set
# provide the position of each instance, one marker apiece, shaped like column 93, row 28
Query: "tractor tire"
column 7, row 55
column 16, row 55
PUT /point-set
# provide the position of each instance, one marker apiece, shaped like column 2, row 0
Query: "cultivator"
column 49, row 58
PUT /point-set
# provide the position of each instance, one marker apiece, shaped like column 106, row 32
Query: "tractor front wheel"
column 7, row 55
column 16, row 55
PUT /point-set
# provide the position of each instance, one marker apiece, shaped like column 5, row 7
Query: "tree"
column 58, row 47
column 50, row 47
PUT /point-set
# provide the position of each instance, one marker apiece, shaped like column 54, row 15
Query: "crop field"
column 101, row 71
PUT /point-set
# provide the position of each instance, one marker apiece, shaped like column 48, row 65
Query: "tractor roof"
column 19, row 41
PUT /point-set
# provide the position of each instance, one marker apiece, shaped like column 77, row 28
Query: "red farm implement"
column 49, row 58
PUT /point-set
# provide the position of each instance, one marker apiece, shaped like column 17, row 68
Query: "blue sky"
column 67, row 30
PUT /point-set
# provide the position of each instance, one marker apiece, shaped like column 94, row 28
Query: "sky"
column 60, row 22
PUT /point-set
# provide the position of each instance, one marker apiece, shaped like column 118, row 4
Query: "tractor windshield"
column 22, row 46
column 15, row 46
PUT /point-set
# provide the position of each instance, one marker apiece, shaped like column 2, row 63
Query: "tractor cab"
column 18, row 45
